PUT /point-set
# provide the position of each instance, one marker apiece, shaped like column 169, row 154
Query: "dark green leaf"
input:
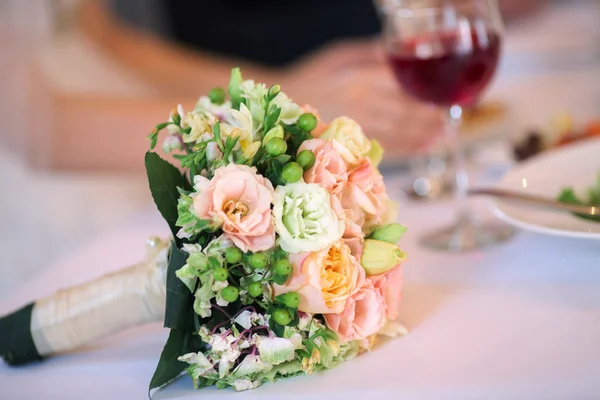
column 280, row 279
column 164, row 179
column 169, row 367
column 180, row 301
column 180, row 342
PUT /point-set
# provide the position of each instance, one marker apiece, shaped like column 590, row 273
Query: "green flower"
column 379, row 257
column 390, row 233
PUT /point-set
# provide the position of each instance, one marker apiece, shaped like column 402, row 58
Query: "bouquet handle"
column 80, row 314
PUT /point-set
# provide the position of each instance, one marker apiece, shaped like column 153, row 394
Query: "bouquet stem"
column 81, row 314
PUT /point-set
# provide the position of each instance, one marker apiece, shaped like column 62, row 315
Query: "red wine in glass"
column 448, row 68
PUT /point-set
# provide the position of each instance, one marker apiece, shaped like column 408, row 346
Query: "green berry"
column 230, row 294
column 255, row 289
column 258, row 260
column 307, row 122
column 292, row 172
column 233, row 255
column 220, row 274
column 306, row 159
column 291, row 300
column 276, row 146
column 217, row 96
column 282, row 317
column 283, row 267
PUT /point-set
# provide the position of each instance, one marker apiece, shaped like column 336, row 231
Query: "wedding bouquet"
column 283, row 259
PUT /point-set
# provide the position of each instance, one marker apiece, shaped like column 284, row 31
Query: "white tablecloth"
column 519, row 321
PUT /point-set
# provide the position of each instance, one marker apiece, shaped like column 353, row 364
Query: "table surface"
column 519, row 320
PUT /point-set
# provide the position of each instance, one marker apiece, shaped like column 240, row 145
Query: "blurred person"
column 322, row 52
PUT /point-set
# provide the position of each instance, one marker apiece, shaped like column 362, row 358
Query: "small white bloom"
column 204, row 105
column 251, row 364
column 199, row 360
column 187, row 275
column 290, row 111
column 219, row 344
column 213, row 152
column 275, row 350
column 219, row 285
column 246, row 319
column 201, row 126
column 172, row 142
column 192, row 248
column 245, row 384
column 304, row 218
column 305, row 320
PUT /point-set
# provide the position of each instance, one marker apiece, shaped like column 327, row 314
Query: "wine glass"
column 445, row 52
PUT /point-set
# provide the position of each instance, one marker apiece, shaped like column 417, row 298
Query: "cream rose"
column 348, row 139
column 324, row 280
column 304, row 218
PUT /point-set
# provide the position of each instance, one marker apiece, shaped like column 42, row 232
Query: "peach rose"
column 390, row 285
column 363, row 316
column 329, row 170
column 239, row 199
column 364, row 197
column 324, row 279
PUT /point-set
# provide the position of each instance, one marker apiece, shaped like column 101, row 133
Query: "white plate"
column 574, row 166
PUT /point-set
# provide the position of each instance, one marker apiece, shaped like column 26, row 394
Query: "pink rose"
column 239, row 199
column 324, row 279
column 364, row 197
column 363, row 316
column 329, row 171
column 390, row 285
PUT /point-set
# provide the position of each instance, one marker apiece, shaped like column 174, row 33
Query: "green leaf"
column 179, row 305
column 180, row 342
column 235, row 93
column 169, row 368
column 280, row 279
column 164, row 179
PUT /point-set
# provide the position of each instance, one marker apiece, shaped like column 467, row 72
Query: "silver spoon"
column 535, row 200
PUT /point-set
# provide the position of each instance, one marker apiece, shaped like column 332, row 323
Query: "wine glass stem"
column 461, row 184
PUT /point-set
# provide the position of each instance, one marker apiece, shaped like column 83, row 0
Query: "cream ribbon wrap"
column 79, row 315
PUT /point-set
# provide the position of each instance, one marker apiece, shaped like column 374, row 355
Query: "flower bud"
column 171, row 142
column 390, row 233
column 379, row 257
column 274, row 90
column 275, row 132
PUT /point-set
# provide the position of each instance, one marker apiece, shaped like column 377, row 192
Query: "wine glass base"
column 468, row 235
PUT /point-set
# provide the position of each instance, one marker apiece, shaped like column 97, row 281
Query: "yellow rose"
column 348, row 139
column 324, row 279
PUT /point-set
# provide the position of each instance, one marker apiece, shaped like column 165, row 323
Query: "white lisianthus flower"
column 240, row 124
column 204, row 105
column 290, row 111
column 348, row 139
column 201, row 127
column 304, row 218
column 255, row 99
